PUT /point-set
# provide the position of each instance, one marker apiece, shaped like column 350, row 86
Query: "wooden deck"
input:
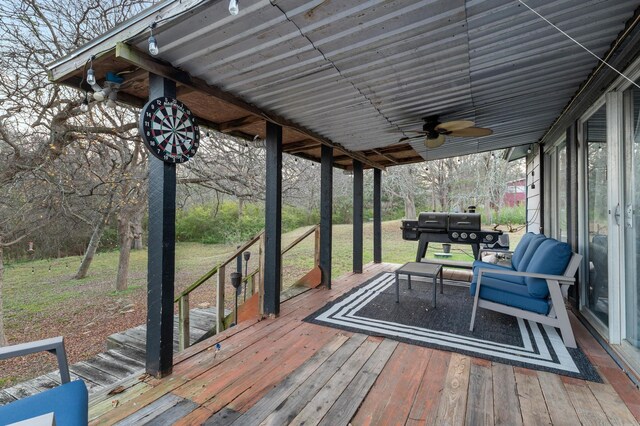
column 286, row 371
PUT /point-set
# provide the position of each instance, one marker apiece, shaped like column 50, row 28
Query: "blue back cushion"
column 531, row 250
column 68, row 402
column 520, row 249
column 552, row 257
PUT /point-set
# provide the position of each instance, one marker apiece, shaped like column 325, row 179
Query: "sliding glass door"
column 631, row 215
column 596, row 296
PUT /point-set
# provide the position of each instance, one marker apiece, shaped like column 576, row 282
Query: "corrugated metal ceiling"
column 361, row 73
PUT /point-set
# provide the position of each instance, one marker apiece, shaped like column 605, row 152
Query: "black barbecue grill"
column 455, row 228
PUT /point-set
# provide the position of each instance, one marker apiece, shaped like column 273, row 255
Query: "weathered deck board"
column 255, row 384
column 152, row 411
column 480, row 401
column 425, row 405
column 5, row 397
column 350, row 400
column 586, row 405
column 558, row 403
column 532, row 405
column 297, row 399
column 85, row 370
column 506, row 404
column 320, row 404
column 268, row 404
column 612, row 404
column 397, row 384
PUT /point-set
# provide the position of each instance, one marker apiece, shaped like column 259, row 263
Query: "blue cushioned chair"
column 533, row 288
column 69, row 402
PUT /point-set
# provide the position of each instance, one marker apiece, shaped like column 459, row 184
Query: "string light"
column 153, row 43
column 233, row 7
column 84, row 106
column 91, row 76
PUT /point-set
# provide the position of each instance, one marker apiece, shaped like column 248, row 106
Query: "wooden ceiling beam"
column 140, row 59
column 239, row 123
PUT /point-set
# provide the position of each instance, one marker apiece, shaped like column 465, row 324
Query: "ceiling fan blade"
column 420, row 132
column 471, row 132
column 434, row 143
column 451, row 126
column 404, row 139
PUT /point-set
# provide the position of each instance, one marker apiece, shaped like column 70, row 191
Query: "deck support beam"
column 377, row 216
column 162, row 242
column 357, row 216
column 273, row 220
column 326, row 213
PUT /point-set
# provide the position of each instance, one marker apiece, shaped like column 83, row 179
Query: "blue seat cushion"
column 516, row 257
column 552, row 257
column 510, row 294
column 68, row 402
column 530, row 252
column 511, row 278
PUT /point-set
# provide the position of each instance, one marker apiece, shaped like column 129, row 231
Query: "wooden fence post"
column 261, row 275
column 220, row 299
column 316, row 249
column 183, row 323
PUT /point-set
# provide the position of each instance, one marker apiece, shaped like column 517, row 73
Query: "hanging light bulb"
column 84, row 106
column 91, row 77
column 153, row 43
column 153, row 46
column 233, row 7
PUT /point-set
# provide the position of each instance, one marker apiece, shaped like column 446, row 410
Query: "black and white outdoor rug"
column 371, row 308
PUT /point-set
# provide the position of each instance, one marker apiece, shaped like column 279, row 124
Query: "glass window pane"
column 595, row 130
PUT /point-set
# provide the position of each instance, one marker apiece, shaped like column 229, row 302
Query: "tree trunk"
column 124, row 238
column 409, row 206
column 136, row 227
column 91, row 248
column 3, row 337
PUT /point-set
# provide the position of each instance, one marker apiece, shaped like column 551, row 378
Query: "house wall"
column 534, row 191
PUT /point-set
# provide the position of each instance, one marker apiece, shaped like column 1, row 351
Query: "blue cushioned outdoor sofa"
column 69, row 402
column 532, row 287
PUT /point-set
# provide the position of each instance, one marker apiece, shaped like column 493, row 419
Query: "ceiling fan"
column 436, row 132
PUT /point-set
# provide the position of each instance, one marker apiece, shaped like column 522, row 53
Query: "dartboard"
column 169, row 130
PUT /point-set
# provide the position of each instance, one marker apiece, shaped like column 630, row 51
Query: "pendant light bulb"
column 153, row 46
column 91, row 77
column 233, row 7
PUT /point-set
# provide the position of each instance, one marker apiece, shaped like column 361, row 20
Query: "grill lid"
column 436, row 221
column 464, row 221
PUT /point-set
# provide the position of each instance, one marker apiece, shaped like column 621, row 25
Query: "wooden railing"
column 255, row 279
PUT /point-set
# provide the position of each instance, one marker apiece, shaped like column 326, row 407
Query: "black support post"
column 161, row 262
column 357, row 216
column 273, row 220
column 377, row 216
column 326, row 212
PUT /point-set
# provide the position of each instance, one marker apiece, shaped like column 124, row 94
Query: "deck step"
column 200, row 321
column 124, row 358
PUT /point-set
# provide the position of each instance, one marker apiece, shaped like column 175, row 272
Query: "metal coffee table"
column 420, row 269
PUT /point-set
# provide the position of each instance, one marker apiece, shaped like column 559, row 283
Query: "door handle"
column 617, row 214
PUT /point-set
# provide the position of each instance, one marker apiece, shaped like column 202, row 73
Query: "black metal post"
column 273, row 222
column 357, row 216
column 236, row 280
column 161, row 263
column 326, row 212
column 377, row 216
